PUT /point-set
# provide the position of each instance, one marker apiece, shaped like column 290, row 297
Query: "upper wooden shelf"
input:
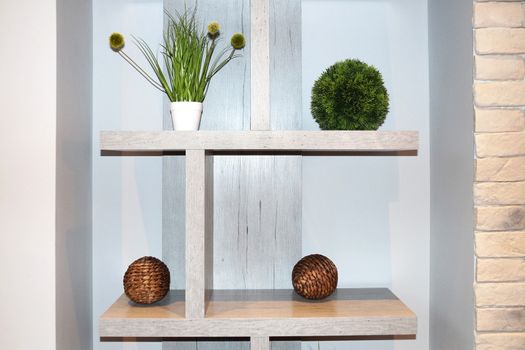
column 261, row 141
column 274, row 313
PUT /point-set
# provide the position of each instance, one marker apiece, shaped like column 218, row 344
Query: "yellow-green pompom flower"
column 116, row 42
column 238, row 41
column 213, row 29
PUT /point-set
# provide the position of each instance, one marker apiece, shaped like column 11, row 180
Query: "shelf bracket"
column 260, row 343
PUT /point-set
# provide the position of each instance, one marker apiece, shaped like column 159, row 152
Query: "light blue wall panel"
column 371, row 214
column 127, row 191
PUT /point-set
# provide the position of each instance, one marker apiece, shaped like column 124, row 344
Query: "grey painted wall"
column 451, row 120
column 73, row 176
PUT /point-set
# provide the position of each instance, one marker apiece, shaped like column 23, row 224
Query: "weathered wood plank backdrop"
column 257, row 200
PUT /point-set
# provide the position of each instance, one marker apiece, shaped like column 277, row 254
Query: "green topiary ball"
column 350, row 95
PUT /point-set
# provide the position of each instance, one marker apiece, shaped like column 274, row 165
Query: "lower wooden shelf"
column 269, row 313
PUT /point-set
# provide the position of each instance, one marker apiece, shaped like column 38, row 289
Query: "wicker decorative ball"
column 147, row 280
column 314, row 277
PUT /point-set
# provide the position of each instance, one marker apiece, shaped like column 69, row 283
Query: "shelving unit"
column 200, row 311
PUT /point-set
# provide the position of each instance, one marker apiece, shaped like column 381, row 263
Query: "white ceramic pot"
column 186, row 115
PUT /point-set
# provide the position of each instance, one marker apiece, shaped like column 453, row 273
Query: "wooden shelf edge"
column 279, row 314
column 260, row 141
column 305, row 327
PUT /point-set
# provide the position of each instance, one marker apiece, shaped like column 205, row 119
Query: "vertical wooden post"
column 260, row 65
column 199, row 228
column 260, row 343
column 208, row 229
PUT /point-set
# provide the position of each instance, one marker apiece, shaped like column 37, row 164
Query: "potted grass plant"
column 189, row 60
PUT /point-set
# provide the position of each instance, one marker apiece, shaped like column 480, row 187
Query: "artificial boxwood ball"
column 350, row 95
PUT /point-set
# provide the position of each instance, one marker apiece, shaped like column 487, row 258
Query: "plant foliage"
column 188, row 57
column 350, row 95
column 116, row 42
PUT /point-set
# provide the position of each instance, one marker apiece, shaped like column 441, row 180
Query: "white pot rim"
column 187, row 103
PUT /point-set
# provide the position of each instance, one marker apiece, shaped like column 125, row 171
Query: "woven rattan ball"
column 147, row 280
column 314, row 277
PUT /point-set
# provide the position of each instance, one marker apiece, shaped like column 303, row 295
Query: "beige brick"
column 500, row 40
column 494, row 14
column 500, row 270
column 500, row 169
column 508, row 320
column 500, row 294
column 499, row 193
column 500, row 144
column 499, row 120
column 500, row 341
column 500, row 218
column 500, row 68
column 499, row 93
column 500, row 244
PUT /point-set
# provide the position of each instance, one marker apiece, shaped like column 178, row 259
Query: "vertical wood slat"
column 260, row 65
column 286, row 114
column 286, row 107
column 208, row 234
column 255, row 204
column 260, row 343
column 199, row 227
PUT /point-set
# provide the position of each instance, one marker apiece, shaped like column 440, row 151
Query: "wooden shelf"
column 273, row 313
column 257, row 314
column 260, row 141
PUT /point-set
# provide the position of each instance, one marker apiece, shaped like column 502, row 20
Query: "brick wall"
column 499, row 189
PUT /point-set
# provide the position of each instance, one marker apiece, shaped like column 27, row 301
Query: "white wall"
column 371, row 214
column 27, row 174
column 45, row 174
column 127, row 206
